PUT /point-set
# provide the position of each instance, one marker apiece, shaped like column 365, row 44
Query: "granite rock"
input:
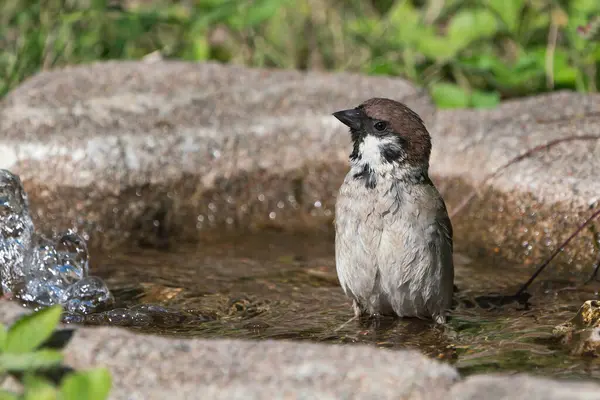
column 162, row 151
column 522, row 387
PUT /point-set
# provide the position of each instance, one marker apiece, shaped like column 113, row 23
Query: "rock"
column 155, row 152
column 487, row 139
column 164, row 149
column 582, row 332
column 531, row 206
column 150, row 367
column 153, row 367
column 522, row 387
column 11, row 311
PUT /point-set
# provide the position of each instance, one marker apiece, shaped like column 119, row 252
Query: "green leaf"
column 199, row 49
column 32, row 330
column 564, row 73
column 471, row 24
column 90, row 385
column 261, row 11
column 6, row 395
column 584, row 6
column 508, row 11
column 18, row 362
column 37, row 388
column 3, row 337
column 404, row 23
column 449, row 95
column 382, row 67
column 481, row 99
column 437, row 48
column 45, row 393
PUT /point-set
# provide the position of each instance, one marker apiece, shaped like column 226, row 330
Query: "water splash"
column 40, row 270
column 16, row 230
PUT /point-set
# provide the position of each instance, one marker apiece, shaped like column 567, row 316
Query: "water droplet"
column 272, row 215
column 44, row 288
column 86, row 296
column 280, row 204
column 317, row 204
column 200, row 218
column 72, row 256
column 229, row 220
column 212, row 207
column 261, row 197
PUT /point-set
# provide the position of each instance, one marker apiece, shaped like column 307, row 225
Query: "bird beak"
column 352, row 118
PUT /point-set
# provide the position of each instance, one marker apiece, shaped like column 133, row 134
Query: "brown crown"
column 404, row 122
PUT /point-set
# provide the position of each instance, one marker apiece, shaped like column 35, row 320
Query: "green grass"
column 468, row 53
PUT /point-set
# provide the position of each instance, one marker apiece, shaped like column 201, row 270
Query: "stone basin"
column 156, row 156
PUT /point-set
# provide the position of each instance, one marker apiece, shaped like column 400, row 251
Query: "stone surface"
column 153, row 367
column 151, row 152
column 522, row 387
column 148, row 367
column 472, row 144
column 119, row 147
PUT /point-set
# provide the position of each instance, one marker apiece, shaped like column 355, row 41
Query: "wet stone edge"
column 512, row 226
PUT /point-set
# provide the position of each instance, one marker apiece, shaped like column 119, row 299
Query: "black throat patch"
column 368, row 175
column 357, row 138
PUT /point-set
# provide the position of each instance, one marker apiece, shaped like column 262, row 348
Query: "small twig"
column 596, row 236
column 541, row 147
column 345, row 323
column 595, row 273
column 558, row 250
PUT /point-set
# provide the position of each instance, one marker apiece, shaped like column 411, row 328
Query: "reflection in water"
column 281, row 286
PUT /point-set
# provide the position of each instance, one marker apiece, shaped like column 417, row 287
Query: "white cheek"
column 370, row 150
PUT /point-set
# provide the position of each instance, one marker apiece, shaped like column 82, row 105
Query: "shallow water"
column 283, row 286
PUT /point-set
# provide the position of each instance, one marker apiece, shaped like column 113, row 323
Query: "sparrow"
column 393, row 236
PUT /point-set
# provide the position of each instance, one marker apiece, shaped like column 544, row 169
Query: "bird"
column 393, row 235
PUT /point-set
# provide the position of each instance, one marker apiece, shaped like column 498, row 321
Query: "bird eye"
column 380, row 126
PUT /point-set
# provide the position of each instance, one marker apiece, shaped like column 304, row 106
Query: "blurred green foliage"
column 25, row 354
column 468, row 53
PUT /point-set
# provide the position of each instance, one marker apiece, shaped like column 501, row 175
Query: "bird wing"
column 415, row 254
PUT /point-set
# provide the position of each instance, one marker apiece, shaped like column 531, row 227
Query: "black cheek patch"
column 368, row 175
column 392, row 152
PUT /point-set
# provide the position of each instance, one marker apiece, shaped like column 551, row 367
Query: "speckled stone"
column 152, row 367
column 114, row 148
column 522, row 387
column 148, row 153
column 472, row 144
